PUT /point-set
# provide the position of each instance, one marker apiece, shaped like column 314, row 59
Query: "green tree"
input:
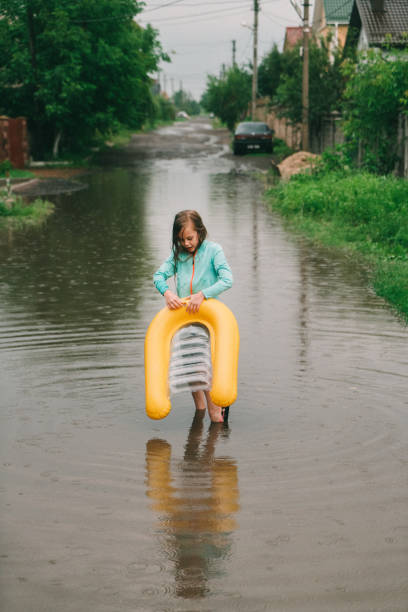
column 269, row 73
column 228, row 96
column 183, row 101
column 326, row 84
column 75, row 67
column 375, row 95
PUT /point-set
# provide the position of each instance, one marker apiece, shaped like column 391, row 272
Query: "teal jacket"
column 206, row 271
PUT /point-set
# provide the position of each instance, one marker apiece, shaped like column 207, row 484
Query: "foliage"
column 360, row 213
column 164, row 109
column 75, row 67
column 5, row 167
column 281, row 150
column 335, row 159
column 228, row 96
column 7, row 170
column 269, row 72
column 19, row 212
column 375, row 94
column 183, row 101
column 326, row 84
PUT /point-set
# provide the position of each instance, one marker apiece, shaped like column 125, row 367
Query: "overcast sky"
column 198, row 35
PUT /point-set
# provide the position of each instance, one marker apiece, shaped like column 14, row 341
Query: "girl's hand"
column 172, row 300
column 195, row 302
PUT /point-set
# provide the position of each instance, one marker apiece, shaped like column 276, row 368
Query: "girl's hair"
column 180, row 221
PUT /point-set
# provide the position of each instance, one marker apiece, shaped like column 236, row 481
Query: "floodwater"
column 300, row 504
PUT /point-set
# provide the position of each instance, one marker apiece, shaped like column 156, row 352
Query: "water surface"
column 299, row 505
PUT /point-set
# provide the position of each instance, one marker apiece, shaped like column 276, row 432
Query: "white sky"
column 198, row 35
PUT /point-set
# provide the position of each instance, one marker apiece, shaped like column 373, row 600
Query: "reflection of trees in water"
column 89, row 260
column 196, row 503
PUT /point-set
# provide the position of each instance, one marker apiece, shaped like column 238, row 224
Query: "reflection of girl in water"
column 196, row 506
column 202, row 272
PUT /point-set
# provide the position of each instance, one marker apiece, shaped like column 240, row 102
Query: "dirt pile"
column 302, row 161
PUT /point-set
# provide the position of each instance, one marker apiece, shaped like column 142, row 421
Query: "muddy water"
column 301, row 504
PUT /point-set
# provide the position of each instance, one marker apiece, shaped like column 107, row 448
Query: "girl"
column 201, row 272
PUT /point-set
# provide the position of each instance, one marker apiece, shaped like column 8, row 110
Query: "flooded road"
column 300, row 504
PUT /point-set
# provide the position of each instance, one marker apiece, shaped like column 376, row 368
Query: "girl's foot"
column 215, row 414
column 213, row 410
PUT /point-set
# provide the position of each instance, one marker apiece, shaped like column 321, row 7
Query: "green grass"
column 281, row 150
column 18, row 174
column 123, row 135
column 364, row 215
column 22, row 214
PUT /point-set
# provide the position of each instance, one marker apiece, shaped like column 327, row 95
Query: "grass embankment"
column 361, row 214
column 14, row 211
column 123, row 135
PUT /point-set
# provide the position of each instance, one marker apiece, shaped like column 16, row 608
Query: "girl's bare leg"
column 199, row 400
column 213, row 410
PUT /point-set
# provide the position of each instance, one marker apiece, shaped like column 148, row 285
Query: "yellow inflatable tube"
column 224, row 334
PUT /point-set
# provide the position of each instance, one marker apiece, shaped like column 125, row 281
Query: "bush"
column 359, row 213
column 17, row 209
column 5, row 167
column 373, row 207
column 281, row 149
column 375, row 95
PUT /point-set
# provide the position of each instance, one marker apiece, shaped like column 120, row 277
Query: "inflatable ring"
column 224, row 334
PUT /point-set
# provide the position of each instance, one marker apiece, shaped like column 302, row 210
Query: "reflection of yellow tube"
column 223, row 328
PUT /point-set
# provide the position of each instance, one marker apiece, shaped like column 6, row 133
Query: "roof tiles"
column 393, row 21
column 338, row 11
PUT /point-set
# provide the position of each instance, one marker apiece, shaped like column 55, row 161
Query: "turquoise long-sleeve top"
column 207, row 271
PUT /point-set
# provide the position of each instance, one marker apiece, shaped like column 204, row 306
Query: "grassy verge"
column 14, row 211
column 363, row 215
column 17, row 174
column 123, row 135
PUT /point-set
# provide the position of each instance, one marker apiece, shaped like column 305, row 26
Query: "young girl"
column 201, row 272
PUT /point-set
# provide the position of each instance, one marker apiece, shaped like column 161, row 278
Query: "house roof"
column 338, row 11
column 378, row 26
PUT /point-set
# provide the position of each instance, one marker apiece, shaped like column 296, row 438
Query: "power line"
column 160, row 6
column 273, row 18
column 195, row 5
column 246, row 46
column 178, row 17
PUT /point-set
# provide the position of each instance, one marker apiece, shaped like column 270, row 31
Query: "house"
column 331, row 18
column 293, row 36
column 377, row 24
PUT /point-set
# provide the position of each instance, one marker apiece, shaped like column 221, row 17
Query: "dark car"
column 253, row 136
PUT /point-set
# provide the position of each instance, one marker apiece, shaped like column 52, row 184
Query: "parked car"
column 252, row 135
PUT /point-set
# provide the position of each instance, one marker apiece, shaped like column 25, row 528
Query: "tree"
column 184, row 101
column 228, row 96
column 326, row 84
column 269, row 72
column 375, row 96
column 75, row 67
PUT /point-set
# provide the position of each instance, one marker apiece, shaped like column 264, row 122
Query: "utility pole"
column 305, row 79
column 234, row 48
column 255, row 59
